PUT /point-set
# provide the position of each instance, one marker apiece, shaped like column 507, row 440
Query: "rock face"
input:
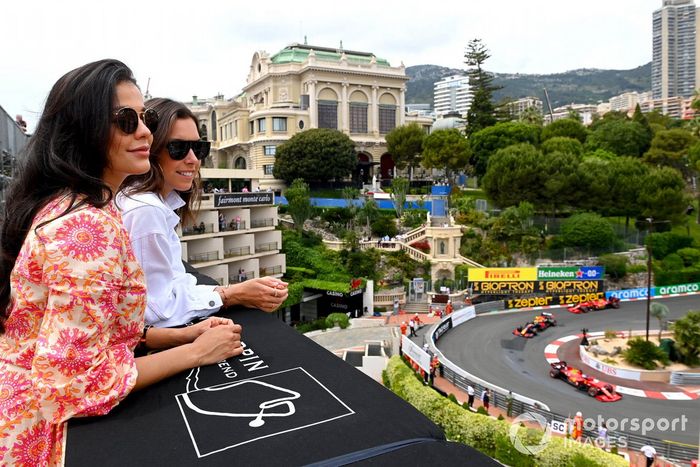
column 598, row 350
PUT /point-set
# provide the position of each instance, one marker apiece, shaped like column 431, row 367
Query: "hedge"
column 487, row 434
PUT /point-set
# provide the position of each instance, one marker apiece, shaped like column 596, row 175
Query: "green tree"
column 486, row 142
column 446, row 149
column 660, row 312
column 640, row 118
column 686, row 333
column 615, row 115
column 558, row 172
column 587, row 230
column 625, row 179
column 399, row 188
column 315, row 155
column 299, row 203
column 563, row 144
column 349, row 195
column 624, row 138
column 481, row 113
column 405, row 144
column 694, row 167
column 671, row 148
column 532, row 116
column 567, row 127
column 593, row 185
column 662, row 195
column 513, row 175
column 369, row 213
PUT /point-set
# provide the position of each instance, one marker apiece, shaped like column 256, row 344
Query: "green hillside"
column 584, row 86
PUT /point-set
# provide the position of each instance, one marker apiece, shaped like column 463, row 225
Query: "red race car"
column 604, row 392
column 594, row 305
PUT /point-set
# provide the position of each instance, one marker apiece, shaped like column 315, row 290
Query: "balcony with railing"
column 270, row 246
column 204, row 257
column 238, row 278
column 202, row 228
column 258, row 223
column 236, row 251
column 270, row 270
column 231, row 226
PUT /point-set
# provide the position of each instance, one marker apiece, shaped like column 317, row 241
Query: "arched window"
column 240, row 163
column 442, row 247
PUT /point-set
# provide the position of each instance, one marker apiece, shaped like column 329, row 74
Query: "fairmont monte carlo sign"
column 225, row 200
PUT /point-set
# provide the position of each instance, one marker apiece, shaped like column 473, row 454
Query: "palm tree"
column 369, row 211
column 660, row 312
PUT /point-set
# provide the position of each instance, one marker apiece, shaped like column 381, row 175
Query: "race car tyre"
column 592, row 391
column 554, row 373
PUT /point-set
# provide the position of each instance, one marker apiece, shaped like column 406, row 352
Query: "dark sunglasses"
column 178, row 149
column 127, row 119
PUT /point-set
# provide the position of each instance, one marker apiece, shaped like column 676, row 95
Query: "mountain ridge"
column 581, row 86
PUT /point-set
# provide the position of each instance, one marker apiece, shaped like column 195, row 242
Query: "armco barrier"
column 521, row 404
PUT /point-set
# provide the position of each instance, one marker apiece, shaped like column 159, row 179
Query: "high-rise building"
column 674, row 66
column 452, row 95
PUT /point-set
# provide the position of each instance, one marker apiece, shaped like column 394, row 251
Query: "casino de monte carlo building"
column 301, row 87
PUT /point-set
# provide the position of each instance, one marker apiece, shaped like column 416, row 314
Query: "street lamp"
column 648, row 240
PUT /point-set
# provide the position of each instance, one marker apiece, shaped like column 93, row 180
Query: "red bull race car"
column 604, row 392
column 539, row 323
column 594, row 305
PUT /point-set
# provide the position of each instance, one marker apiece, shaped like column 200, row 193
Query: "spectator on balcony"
column 151, row 204
column 72, row 296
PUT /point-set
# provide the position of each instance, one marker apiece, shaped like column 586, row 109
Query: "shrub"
column 482, row 410
column 421, row 245
column 340, row 319
column 644, row 353
column 636, row 268
column 610, row 334
column 663, row 244
column 672, row 262
column 690, row 256
column 587, row 230
column 486, row 434
column 615, row 265
column 384, row 226
column 686, row 332
column 309, row 326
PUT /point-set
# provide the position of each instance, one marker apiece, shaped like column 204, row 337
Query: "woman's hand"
column 193, row 332
column 264, row 293
column 218, row 343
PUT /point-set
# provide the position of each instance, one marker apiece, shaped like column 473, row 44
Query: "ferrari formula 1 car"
column 594, row 305
column 604, row 392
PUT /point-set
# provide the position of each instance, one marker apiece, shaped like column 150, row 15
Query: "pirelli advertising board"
column 502, row 274
column 536, row 287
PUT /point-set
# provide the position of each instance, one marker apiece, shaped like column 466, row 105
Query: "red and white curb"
column 550, row 354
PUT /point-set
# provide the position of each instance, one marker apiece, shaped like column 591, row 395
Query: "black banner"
column 530, row 287
column 442, row 329
column 339, row 302
column 551, row 300
column 227, row 200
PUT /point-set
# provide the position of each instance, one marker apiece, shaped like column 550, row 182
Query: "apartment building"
column 674, row 67
column 517, row 107
column 584, row 111
column 452, row 95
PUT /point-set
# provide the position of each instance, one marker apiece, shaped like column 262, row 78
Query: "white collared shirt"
column 174, row 298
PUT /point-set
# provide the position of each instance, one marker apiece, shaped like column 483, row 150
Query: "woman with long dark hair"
column 72, row 295
column 150, row 206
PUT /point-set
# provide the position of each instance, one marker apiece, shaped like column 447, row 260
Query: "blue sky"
column 205, row 47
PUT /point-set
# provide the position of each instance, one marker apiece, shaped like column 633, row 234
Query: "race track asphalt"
column 485, row 347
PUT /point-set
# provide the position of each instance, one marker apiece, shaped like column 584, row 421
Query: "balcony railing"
column 257, row 223
column 271, row 270
column 266, row 247
column 231, row 226
column 247, row 275
column 202, row 257
column 237, row 251
column 198, row 229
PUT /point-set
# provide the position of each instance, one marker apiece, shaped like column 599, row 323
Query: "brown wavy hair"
column 169, row 111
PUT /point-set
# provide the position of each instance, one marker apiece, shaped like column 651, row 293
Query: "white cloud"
column 205, row 47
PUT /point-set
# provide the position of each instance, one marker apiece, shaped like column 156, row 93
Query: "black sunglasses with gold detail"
column 178, row 149
column 127, row 119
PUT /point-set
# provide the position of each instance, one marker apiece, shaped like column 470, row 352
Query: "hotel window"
column 251, row 128
column 261, row 125
column 387, row 118
column 279, row 124
column 328, row 114
column 270, row 150
column 268, row 169
column 358, row 117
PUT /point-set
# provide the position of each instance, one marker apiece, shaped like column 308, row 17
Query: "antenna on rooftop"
column 341, row 44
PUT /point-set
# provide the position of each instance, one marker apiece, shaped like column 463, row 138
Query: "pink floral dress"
column 78, row 300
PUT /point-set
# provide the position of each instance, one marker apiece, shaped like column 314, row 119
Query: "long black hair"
column 169, row 111
column 68, row 153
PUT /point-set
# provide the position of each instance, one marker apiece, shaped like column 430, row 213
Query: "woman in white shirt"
column 150, row 205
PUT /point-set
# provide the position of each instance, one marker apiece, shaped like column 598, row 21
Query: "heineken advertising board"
column 571, row 273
